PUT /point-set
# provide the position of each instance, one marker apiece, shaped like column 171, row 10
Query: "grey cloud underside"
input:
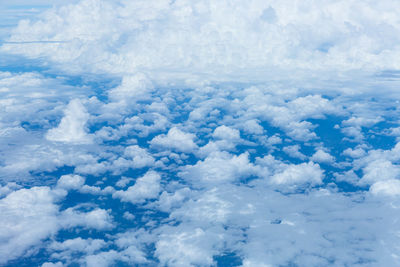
column 163, row 133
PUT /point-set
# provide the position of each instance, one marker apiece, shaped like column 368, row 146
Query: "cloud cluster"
column 211, row 170
column 202, row 134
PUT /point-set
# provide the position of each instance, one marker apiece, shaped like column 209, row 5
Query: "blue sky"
column 207, row 133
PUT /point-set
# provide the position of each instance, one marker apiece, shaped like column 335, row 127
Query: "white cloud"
column 78, row 244
column 128, row 216
column 217, row 168
column 68, row 182
column 176, row 140
column 102, row 259
column 68, row 249
column 140, row 157
column 130, row 253
column 270, row 80
column 361, row 121
column 8, row 188
column 96, row 190
column 322, row 157
column 301, row 130
column 226, row 133
column 28, row 217
column 294, row 152
column 97, row 219
column 207, row 207
column 133, row 88
column 304, row 173
column 191, row 248
column 52, row 264
column 145, row 187
column 354, row 132
column 386, row 188
column 253, row 127
column 117, row 36
column 253, row 263
column 123, row 181
column 379, row 170
column 349, row 177
column 312, row 106
column 168, row 201
column 354, row 153
column 72, row 126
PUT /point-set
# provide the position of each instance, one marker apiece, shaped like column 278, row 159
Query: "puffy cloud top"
column 72, row 126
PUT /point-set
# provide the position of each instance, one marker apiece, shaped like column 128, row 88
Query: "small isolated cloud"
column 69, row 182
column 123, row 181
column 322, row 157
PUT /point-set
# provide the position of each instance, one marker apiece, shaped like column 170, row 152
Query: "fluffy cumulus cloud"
column 219, row 168
column 70, row 182
column 31, row 216
column 175, row 139
column 223, row 132
column 389, row 187
column 146, row 187
column 28, row 217
column 199, row 133
column 309, row 173
column 322, row 156
column 72, row 126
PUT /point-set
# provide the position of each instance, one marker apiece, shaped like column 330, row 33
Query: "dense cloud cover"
column 200, row 133
column 214, row 37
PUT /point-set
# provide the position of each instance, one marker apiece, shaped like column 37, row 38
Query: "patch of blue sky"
column 18, row 64
column 41, row 256
column 230, row 259
column 377, row 136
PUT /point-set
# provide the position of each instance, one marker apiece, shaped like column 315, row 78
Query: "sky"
column 199, row 133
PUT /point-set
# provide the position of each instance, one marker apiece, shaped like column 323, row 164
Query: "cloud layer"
column 201, row 134
column 214, row 38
